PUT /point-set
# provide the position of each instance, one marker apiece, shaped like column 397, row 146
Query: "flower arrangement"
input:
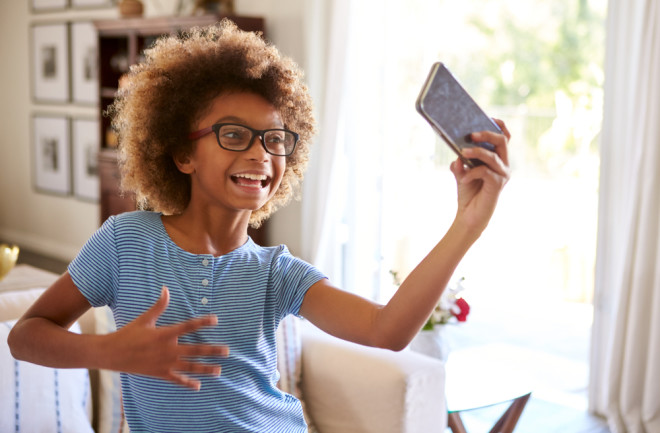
column 451, row 305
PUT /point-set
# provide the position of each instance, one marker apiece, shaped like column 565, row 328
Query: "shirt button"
column 205, row 282
column 205, row 262
column 205, row 301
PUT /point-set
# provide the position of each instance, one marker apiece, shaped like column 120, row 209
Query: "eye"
column 234, row 133
column 275, row 137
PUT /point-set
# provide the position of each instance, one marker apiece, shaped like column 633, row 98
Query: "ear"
column 184, row 163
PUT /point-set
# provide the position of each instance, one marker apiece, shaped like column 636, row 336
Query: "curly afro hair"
column 162, row 97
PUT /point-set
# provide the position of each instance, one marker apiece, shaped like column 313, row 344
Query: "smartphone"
column 452, row 112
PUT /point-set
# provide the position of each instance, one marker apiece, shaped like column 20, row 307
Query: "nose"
column 257, row 152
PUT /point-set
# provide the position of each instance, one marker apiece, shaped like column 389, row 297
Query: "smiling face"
column 236, row 182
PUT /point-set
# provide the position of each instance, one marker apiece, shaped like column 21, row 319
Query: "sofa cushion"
column 40, row 399
column 14, row 304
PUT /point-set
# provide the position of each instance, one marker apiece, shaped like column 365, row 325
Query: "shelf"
column 164, row 25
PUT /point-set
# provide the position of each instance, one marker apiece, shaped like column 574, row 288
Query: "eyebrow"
column 234, row 119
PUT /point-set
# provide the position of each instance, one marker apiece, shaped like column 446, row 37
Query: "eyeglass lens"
column 238, row 137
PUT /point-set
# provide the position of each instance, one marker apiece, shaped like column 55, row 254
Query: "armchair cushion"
column 350, row 388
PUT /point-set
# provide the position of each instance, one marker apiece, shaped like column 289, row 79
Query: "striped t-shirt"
column 125, row 264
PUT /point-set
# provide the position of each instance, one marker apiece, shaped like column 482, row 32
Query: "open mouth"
column 251, row 180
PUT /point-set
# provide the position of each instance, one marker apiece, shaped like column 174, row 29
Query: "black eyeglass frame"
column 215, row 128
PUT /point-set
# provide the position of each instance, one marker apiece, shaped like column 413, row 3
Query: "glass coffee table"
column 482, row 376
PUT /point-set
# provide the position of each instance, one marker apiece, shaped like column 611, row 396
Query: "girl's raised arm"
column 394, row 325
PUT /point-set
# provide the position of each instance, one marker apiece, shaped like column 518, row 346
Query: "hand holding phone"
column 452, row 112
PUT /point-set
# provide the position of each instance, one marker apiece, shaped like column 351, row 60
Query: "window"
column 535, row 64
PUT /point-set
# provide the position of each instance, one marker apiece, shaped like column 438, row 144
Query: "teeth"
column 252, row 176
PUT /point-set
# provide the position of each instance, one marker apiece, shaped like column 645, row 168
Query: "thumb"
column 457, row 169
column 150, row 316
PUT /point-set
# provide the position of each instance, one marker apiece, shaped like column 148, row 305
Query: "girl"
column 214, row 129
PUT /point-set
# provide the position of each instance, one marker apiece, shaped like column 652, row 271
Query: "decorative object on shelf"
column 130, row 8
column 8, row 257
column 51, row 168
column 223, row 7
column 85, row 148
column 119, row 62
column 50, row 63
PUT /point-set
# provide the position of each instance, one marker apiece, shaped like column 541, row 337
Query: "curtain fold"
column 625, row 355
column 328, row 30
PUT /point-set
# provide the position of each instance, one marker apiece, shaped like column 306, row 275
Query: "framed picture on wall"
column 50, row 63
column 91, row 3
column 85, row 148
column 48, row 5
column 84, row 63
column 51, row 168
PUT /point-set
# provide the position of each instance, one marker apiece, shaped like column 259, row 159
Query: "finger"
column 203, row 350
column 488, row 176
column 491, row 159
column 503, row 127
column 182, row 379
column 498, row 140
column 192, row 325
column 150, row 316
column 458, row 168
column 190, row 367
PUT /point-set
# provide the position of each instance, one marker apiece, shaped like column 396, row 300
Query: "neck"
column 208, row 232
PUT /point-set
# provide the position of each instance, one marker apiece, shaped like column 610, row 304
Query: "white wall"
column 59, row 226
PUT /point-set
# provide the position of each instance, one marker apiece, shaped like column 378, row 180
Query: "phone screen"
column 452, row 112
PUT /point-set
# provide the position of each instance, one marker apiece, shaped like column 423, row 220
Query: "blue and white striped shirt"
column 125, row 264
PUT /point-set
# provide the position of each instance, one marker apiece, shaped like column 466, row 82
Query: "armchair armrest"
column 348, row 388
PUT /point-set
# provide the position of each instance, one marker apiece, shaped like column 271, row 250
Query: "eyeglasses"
column 237, row 138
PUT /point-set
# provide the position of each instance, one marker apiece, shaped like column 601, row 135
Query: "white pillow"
column 14, row 304
column 40, row 399
column 111, row 414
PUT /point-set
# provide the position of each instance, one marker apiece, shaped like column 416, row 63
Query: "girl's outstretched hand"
column 142, row 348
column 479, row 187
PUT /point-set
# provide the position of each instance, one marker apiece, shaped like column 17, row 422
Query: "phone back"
column 451, row 111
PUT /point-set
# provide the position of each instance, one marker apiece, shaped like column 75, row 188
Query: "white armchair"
column 348, row 388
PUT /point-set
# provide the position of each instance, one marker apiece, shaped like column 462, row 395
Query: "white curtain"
column 625, row 364
column 327, row 30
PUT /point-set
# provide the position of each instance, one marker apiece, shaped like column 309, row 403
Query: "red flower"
column 463, row 310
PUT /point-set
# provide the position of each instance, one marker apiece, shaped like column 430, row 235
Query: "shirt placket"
column 205, row 286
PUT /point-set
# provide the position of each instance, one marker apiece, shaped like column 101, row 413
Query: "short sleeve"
column 292, row 278
column 94, row 270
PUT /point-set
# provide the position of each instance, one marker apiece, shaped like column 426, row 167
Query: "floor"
column 549, row 346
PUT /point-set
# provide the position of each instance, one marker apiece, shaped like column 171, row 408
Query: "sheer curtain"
column 327, row 30
column 625, row 364
column 369, row 138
